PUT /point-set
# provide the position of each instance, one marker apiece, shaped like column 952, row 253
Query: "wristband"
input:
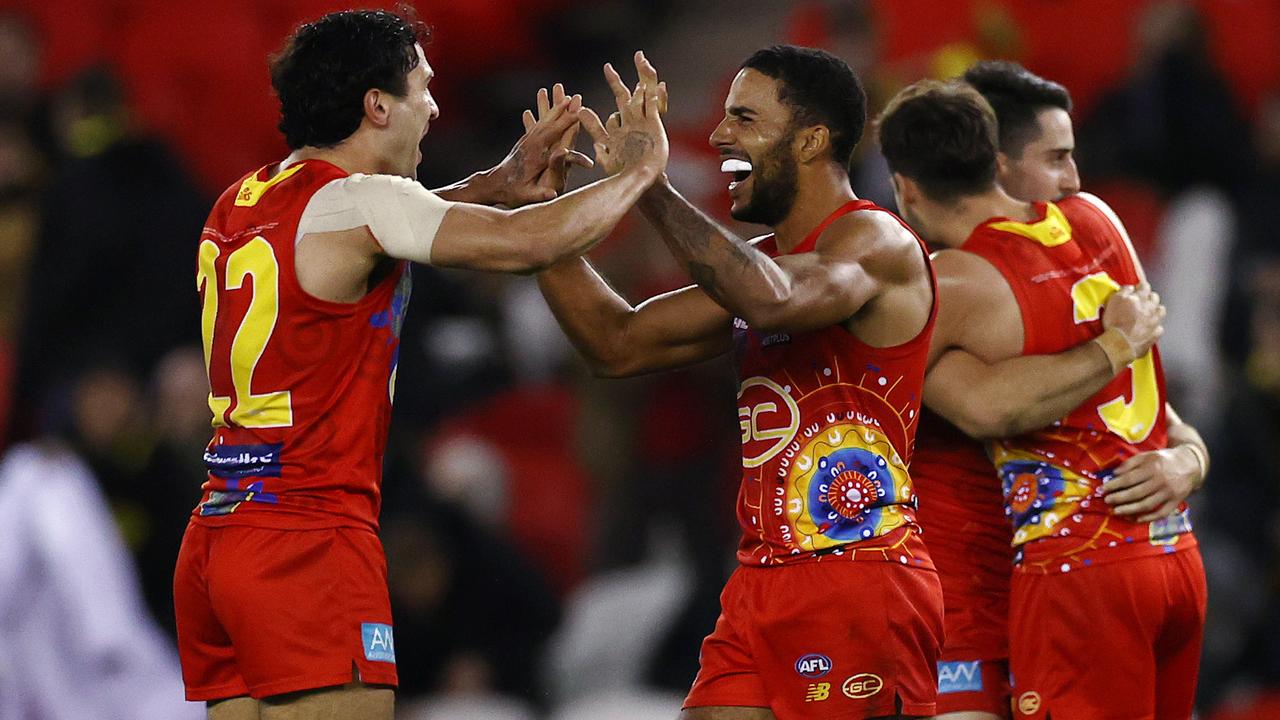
column 1116, row 346
column 1202, row 460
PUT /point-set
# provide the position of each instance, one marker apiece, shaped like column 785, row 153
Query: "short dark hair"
column 820, row 89
column 326, row 67
column 943, row 136
column 1017, row 95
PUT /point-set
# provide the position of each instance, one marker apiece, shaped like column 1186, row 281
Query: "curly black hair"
column 326, row 67
column 1017, row 95
column 820, row 89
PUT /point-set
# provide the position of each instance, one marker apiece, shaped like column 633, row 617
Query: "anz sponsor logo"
column 957, row 676
column 379, row 645
column 813, row 665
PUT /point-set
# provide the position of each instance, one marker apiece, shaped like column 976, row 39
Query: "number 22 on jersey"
column 1133, row 420
column 257, row 261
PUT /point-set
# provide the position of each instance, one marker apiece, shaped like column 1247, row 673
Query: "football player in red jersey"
column 280, row 589
column 962, row 510
column 828, row 317
column 1107, row 603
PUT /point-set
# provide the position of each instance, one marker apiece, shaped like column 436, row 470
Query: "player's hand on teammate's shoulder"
column 1138, row 316
column 1151, row 485
column 522, row 175
column 562, row 155
column 633, row 138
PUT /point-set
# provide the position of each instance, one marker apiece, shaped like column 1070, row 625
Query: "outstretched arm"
column 1023, row 393
column 795, row 293
column 518, row 179
column 672, row 330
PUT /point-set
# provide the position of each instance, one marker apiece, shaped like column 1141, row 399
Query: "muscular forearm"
column 479, row 188
column 742, row 279
column 573, row 223
column 589, row 311
column 1016, row 395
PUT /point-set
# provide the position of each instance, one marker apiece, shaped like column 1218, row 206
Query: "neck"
column 820, row 192
column 352, row 155
column 955, row 222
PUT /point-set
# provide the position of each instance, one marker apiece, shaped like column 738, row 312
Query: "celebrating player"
column 280, row 589
column 962, row 512
column 1107, row 608
column 835, row 610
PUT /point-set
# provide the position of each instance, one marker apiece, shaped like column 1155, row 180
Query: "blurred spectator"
column 112, row 273
column 1173, row 121
column 471, row 613
column 75, row 639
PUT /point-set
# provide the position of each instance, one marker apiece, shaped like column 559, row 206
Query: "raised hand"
column 520, row 174
column 634, row 137
column 562, row 153
column 1137, row 314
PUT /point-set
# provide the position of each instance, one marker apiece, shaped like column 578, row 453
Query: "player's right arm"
column 672, row 330
column 411, row 223
column 978, row 379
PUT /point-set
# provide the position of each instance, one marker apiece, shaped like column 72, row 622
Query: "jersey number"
column 254, row 259
column 1133, row 420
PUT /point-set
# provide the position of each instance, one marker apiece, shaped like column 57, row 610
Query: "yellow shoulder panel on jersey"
column 1052, row 231
column 252, row 189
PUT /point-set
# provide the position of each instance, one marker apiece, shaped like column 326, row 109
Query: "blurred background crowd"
column 556, row 542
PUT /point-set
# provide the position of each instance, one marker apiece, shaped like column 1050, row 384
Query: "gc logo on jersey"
column 769, row 418
column 1029, row 702
column 862, row 685
column 813, row 665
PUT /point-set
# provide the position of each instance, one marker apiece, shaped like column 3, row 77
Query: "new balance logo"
column 817, row 692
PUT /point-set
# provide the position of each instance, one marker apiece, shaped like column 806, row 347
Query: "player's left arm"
column 1152, row 484
column 523, row 176
column 792, row 293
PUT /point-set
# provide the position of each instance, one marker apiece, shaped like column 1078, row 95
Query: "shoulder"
column 877, row 240
column 962, row 274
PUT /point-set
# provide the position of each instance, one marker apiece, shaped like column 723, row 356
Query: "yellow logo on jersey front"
column 1052, row 231
column 252, row 189
column 817, row 692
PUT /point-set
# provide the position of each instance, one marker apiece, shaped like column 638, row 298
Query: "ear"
column 906, row 190
column 812, row 142
column 1003, row 163
column 376, row 108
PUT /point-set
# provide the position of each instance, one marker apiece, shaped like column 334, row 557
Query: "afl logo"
column 769, row 419
column 1029, row 703
column 862, row 685
column 813, row 665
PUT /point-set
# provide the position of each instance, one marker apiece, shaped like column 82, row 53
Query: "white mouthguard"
column 733, row 165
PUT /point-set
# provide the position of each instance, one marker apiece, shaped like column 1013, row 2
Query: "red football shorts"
column 832, row 639
column 264, row 612
column 1116, row 641
column 973, row 673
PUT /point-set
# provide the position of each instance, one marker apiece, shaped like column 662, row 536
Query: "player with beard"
column 1107, row 600
column 303, row 270
column 832, row 612
column 968, row 535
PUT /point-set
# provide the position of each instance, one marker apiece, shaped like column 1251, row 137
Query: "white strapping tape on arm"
column 402, row 215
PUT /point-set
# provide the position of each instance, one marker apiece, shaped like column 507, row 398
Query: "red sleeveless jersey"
column 300, row 387
column 828, row 423
column 962, row 513
column 1062, row 268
